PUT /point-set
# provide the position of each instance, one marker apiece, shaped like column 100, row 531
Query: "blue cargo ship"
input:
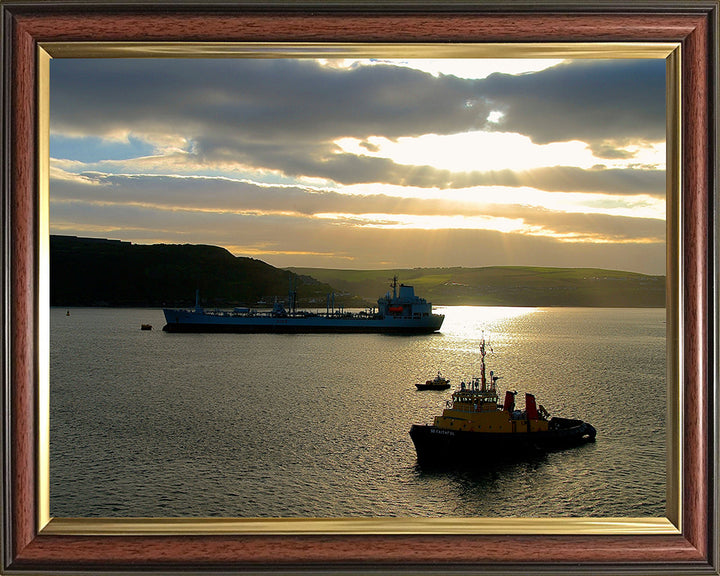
column 399, row 311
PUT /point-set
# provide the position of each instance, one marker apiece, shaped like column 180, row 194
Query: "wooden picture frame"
column 30, row 546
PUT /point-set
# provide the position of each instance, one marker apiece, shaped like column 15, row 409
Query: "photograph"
column 254, row 261
column 319, row 287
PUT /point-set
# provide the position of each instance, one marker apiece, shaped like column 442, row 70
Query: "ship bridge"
column 403, row 303
column 474, row 397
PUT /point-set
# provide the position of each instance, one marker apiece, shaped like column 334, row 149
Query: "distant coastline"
column 113, row 273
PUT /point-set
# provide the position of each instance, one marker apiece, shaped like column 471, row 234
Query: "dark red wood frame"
column 692, row 23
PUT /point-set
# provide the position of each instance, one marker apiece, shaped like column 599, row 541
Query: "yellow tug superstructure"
column 474, row 422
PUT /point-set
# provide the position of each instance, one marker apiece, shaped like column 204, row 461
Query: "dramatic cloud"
column 606, row 103
column 259, row 220
column 302, row 158
column 289, row 240
column 227, row 102
column 225, row 195
column 285, row 115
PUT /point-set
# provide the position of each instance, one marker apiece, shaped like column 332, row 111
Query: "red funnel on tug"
column 509, row 404
column 531, row 407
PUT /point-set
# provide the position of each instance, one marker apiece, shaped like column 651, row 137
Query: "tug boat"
column 475, row 429
column 437, row 383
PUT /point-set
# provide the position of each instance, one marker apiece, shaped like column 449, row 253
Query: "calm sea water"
column 145, row 423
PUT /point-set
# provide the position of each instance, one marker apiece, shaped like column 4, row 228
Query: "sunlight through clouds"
column 461, row 67
column 639, row 206
column 420, row 222
column 472, row 151
column 488, row 151
column 335, row 159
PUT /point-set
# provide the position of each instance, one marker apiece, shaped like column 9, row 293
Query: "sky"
column 366, row 164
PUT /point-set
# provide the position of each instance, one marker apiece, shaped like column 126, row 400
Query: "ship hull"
column 432, row 386
column 191, row 321
column 438, row 446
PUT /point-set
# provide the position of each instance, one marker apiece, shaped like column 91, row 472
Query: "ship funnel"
column 509, row 404
column 531, row 407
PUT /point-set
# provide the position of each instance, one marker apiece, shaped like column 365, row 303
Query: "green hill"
column 96, row 272
column 506, row 285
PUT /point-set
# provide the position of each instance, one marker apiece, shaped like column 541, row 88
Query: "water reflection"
column 469, row 321
column 528, row 487
column 317, row 425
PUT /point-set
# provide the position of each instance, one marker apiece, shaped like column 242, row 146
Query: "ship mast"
column 292, row 294
column 482, row 364
column 485, row 384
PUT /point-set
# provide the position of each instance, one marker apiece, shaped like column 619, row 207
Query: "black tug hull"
column 438, row 446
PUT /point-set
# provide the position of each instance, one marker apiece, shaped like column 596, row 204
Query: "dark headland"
column 99, row 272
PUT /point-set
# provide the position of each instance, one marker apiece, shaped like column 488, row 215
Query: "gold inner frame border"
column 671, row 524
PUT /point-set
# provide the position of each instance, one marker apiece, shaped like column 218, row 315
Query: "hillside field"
column 505, row 285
